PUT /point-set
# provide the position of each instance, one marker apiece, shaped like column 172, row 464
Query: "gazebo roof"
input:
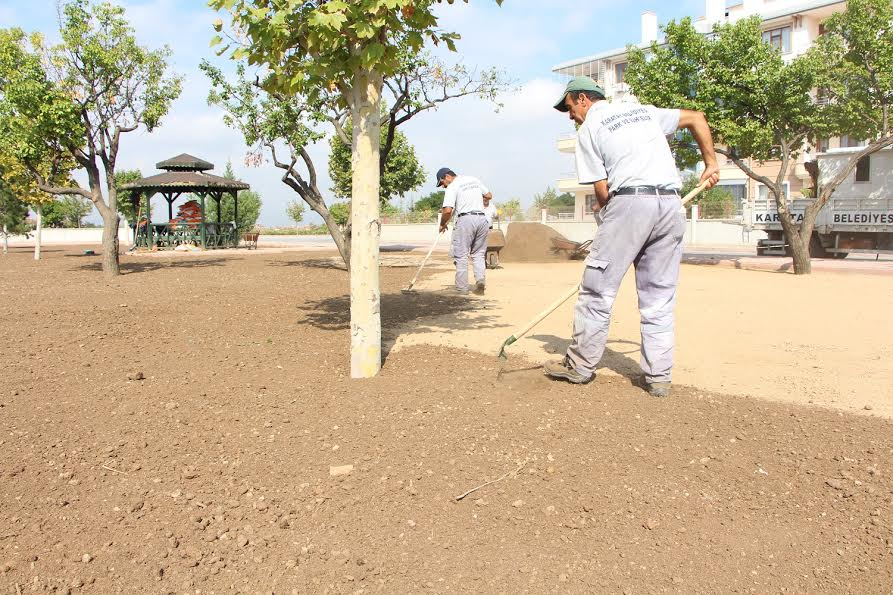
column 185, row 173
column 186, row 181
column 185, row 162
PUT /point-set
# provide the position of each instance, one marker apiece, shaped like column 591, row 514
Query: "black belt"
column 645, row 190
column 470, row 213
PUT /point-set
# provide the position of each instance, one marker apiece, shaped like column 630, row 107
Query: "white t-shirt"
column 490, row 213
column 465, row 194
column 627, row 145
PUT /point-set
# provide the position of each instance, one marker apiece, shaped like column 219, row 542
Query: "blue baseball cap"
column 442, row 173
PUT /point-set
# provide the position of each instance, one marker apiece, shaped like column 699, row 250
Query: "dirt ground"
column 181, row 429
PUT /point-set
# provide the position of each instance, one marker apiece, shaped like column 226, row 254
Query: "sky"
column 513, row 150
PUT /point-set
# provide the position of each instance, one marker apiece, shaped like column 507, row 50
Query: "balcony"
column 567, row 142
column 568, row 183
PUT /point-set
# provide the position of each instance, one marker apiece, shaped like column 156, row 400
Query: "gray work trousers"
column 470, row 238
column 645, row 231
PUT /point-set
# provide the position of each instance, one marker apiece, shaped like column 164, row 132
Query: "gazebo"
column 184, row 174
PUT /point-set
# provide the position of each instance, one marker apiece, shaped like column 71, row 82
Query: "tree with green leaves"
column 73, row 101
column 128, row 202
column 67, row 211
column 763, row 108
column 335, row 57
column 295, row 211
column 430, row 202
column 402, row 171
column 13, row 215
column 250, row 204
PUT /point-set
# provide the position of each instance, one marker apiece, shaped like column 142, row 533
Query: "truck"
column 857, row 218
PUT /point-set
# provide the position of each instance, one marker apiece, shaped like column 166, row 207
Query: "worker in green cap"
column 623, row 153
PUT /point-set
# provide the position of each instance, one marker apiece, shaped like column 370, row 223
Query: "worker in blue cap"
column 464, row 197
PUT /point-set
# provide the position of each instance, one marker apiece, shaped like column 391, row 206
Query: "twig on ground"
column 483, row 485
column 106, row 467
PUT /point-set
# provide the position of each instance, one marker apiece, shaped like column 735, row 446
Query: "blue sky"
column 513, row 151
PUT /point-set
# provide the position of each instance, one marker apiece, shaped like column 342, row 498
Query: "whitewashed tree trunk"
column 5, row 240
column 365, row 296
column 38, row 210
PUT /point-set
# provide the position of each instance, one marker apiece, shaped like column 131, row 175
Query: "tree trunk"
column 5, row 240
column 365, row 298
column 110, row 221
column 38, row 210
column 342, row 240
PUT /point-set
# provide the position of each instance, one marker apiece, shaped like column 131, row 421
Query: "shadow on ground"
column 403, row 311
column 615, row 358
column 128, row 268
column 329, row 263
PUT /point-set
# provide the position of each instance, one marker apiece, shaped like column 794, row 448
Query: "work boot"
column 565, row 371
column 480, row 287
column 661, row 390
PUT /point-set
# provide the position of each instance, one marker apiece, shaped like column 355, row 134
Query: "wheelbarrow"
column 495, row 243
column 573, row 250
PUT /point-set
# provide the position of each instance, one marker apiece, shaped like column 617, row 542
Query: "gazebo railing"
column 167, row 236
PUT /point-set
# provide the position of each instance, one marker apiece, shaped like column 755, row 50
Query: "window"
column 738, row 189
column 591, row 203
column 863, row 169
column 823, row 145
column 847, row 141
column 780, row 38
column 763, row 191
column 822, row 29
column 620, row 73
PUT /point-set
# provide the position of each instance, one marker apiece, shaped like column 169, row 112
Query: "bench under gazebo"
column 184, row 174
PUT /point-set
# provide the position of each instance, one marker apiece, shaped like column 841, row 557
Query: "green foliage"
column 757, row 104
column 340, row 212
column 249, row 206
column 314, row 47
column 431, row 202
column 402, row 171
column 125, row 198
column 13, row 212
column 716, row 203
column 295, row 211
column 857, row 79
column 550, row 198
column 67, row 211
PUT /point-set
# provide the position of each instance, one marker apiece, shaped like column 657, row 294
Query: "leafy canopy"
column 402, row 171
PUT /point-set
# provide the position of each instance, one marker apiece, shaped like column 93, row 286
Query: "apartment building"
column 791, row 25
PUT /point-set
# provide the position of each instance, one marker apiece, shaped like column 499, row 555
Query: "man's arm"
column 601, row 193
column 696, row 123
column 445, row 214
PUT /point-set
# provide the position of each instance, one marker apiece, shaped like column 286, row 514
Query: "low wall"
column 73, row 236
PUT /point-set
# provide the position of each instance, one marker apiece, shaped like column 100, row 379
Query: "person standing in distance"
column 622, row 150
column 465, row 196
column 490, row 212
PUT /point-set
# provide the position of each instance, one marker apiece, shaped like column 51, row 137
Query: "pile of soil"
column 262, row 467
column 531, row 242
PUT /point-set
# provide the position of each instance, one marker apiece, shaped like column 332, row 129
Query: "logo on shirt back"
column 633, row 116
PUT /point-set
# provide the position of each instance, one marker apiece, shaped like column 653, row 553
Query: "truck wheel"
column 839, row 255
column 816, row 250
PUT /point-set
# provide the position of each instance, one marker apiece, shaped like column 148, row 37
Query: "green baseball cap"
column 578, row 83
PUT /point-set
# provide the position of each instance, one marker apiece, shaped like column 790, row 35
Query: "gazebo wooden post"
column 150, row 239
column 217, row 198
column 238, row 232
column 202, row 197
column 169, row 197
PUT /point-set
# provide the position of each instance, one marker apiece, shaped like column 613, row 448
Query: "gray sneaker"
column 661, row 390
column 480, row 287
column 460, row 291
column 563, row 370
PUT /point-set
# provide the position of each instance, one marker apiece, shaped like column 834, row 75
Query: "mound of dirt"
column 531, row 242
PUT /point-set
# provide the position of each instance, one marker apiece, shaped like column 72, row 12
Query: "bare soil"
column 177, row 429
